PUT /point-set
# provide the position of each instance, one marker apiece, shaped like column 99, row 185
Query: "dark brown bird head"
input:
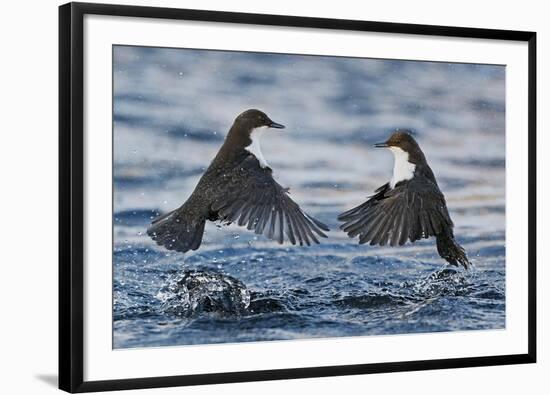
column 244, row 136
column 403, row 145
column 254, row 119
column 400, row 139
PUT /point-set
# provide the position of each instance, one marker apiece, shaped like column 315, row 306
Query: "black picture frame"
column 71, row 173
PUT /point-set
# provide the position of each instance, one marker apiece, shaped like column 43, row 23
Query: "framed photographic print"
column 253, row 197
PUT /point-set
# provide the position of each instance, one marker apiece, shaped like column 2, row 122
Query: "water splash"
column 447, row 281
column 192, row 292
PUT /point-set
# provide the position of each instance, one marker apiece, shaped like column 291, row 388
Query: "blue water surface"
column 172, row 108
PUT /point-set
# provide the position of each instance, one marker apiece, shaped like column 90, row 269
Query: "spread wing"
column 413, row 210
column 249, row 196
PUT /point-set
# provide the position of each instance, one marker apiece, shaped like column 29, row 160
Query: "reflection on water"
column 172, row 109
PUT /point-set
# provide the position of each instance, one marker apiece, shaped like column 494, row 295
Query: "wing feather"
column 411, row 210
column 249, row 196
column 289, row 230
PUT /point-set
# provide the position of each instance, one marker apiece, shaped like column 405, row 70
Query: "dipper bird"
column 238, row 186
column 409, row 207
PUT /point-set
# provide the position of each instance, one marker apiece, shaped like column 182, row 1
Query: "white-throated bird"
column 409, row 207
column 238, row 187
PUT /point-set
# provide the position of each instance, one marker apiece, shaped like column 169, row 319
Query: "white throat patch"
column 402, row 168
column 254, row 147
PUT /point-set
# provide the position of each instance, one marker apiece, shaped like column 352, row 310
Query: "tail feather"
column 177, row 230
column 162, row 216
column 451, row 251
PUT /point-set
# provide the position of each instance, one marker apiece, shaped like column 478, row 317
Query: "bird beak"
column 276, row 125
column 381, row 145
